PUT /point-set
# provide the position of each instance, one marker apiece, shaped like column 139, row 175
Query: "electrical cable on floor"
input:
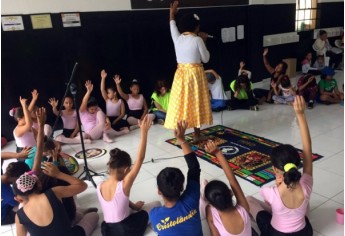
column 161, row 159
column 153, row 160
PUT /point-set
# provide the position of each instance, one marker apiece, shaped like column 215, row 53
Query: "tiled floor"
column 276, row 122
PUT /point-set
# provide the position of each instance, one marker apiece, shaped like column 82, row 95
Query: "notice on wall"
column 12, row 23
column 70, row 19
column 41, row 21
column 240, row 32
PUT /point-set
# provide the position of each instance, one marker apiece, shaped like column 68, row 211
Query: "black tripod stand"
column 73, row 90
column 88, row 173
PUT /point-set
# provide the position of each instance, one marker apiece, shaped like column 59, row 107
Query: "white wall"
column 9, row 7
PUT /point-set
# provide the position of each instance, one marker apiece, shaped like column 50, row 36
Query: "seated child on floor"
column 215, row 86
column 306, row 65
column 136, row 103
column 223, row 217
column 242, row 94
column 93, row 119
column 70, row 133
column 320, row 62
column 115, row 107
column 285, row 205
column 328, row 88
column 113, row 193
column 180, row 214
column 160, row 98
column 284, row 93
column 307, row 87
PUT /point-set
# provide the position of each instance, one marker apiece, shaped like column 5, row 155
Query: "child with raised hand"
column 180, row 214
column 115, row 108
column 284, row 93
column 242, row 94
column 23, row 133
column 215, row 87
column 243, row 71
column 43, row 213
column 276, row 75
column 93, row 118
column 286, row 203
column 113, row 193
column 136, row 103
column 32, row 109
column 70, row 133
column 16, row 169
column 223, row 217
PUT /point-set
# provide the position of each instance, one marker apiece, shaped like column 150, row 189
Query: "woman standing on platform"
column 189, row 99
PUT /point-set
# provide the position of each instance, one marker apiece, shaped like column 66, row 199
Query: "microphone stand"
column 88, row 173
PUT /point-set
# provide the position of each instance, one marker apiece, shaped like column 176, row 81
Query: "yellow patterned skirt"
column 189, row 97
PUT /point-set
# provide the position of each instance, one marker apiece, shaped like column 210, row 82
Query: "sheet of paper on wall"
column 12, row 23
column 41, row 21
column 70, row 19
column 240, row 32
column 228, row 35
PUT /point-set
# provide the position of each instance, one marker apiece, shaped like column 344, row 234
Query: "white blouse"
column 189, row 48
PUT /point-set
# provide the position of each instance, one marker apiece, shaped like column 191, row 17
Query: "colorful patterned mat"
column 248, row 155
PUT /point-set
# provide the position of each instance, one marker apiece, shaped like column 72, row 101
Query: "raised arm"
column 118, row 80
column 34, row 95
column 128, row 181
column 213, row 72
column 173, row 28
column 103, row 90
column 89, row 88
column 299, row 107
column 189, row 155
column 41, row 119
column 75, row 185
column 20, row 130
column 269, row 68
column 53, row 102
column 210, row 147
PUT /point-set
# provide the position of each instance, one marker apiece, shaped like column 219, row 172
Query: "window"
column 306, row 14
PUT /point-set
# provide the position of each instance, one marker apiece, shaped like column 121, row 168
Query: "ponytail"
column 291, row 175
column 286, row 158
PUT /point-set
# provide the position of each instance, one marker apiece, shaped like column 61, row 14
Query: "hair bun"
column 12, row 111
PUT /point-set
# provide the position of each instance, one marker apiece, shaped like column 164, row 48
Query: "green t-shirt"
column 328, row 85
column 161, row 100
column 243, row 93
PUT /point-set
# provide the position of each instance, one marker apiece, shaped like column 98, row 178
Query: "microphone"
column 210, row 36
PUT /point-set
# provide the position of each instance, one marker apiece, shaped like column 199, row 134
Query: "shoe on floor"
column 254, row 108
column 310, row 105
